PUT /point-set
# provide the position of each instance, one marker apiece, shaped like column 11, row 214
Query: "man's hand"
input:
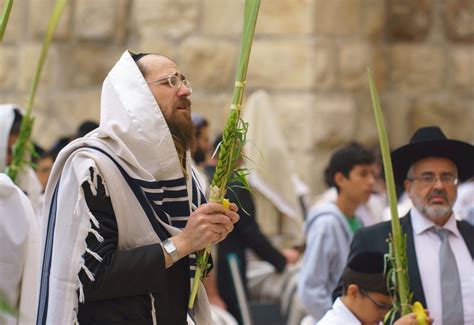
column 410, row 319
column 209, row 224
column 292, row 255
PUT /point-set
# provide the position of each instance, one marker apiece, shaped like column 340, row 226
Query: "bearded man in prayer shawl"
column 125, row 212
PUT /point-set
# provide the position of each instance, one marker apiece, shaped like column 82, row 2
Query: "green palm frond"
column 4, row 19
column 23, row 148
column 397, row 242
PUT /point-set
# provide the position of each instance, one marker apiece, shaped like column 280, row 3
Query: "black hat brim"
column 461, row 153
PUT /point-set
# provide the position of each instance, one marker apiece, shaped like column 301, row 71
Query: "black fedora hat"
column 431, row 142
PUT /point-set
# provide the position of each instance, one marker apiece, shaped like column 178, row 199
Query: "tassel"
column 94, row 254
column 92, row 187
column 93, row 219
column 81, row 292
column 99, row 238
column 88, row 272
column 153, row 310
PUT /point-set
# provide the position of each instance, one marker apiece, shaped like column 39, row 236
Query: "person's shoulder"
column 465, row 226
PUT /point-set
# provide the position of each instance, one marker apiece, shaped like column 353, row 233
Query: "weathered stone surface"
column 28, row 55
column 290, row 64
column 8, row 68
column 409, row 20
column 395, row 109
column 417, row 67
column 95, row 20
column 453, row 114
column 337, row 18
column 69, row 109
column 373, row 19
column 39, row 13
column 462, row 67
column 223, row 17
column 324, row 121
column 86, row 65
column 283, row 17
column 170, row 18
column 209, row 65
column 354, row 60
column 459, row 20
column 156, row 45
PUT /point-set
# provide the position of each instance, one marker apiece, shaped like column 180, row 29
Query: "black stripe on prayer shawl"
column 48, row 252
column 147, row 207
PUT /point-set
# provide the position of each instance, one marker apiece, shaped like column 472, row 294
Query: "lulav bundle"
column 233, row 136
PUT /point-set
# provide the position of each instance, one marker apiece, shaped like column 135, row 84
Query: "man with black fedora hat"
column 440, row 249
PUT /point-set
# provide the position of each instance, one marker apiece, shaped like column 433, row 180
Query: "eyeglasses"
column 428, row 179
column 380, row 305
column 175, row 81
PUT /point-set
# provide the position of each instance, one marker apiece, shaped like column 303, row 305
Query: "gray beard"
column 432, row 212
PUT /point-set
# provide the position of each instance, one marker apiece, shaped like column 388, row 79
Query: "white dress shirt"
column 427, row 245
column 339, row 314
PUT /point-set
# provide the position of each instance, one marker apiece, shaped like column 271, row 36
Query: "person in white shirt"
column 440, row 249
column 365, row 298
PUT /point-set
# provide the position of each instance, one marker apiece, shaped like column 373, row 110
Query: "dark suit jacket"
column 374, row 238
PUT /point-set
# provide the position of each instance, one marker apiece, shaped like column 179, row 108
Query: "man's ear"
column 407, row 185
column 339, row 178
column 352, row 290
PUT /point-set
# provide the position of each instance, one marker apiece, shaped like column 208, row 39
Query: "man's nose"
column 184, row 91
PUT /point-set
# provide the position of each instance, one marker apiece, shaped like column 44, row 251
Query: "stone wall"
column 310, row 55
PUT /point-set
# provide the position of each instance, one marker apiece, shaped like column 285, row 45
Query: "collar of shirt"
column 421, row 224
column 342, row 310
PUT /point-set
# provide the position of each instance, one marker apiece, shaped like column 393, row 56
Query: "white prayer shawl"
column 26, row 178
column 19, row 253
column 134, row 133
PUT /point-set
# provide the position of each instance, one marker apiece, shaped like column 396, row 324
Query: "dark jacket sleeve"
column 250, row 232
column 121, row 273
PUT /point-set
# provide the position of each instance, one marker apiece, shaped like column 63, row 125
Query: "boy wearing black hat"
column 440, row 249
column 365, row 299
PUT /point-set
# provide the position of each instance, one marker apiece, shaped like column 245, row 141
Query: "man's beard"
column 182, row 130
column 433, row 212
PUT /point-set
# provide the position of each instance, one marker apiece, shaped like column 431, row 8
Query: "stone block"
column 417, row 67
column 87, row 65
column 409, row 20
column 291, row 65
column 169, row 18
column 156, row 45
column 223, row 17
column 459, row 20
column 354, row 60
column 39, row 13
column 209, row 64
column 69, row 109
column 337, row 17
column 317, row 119
column 462, row 67
column 286, row 17
column 454, row 114
column 95, row 20
column 395, row 108
column 373, row 19
column 8, row 68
